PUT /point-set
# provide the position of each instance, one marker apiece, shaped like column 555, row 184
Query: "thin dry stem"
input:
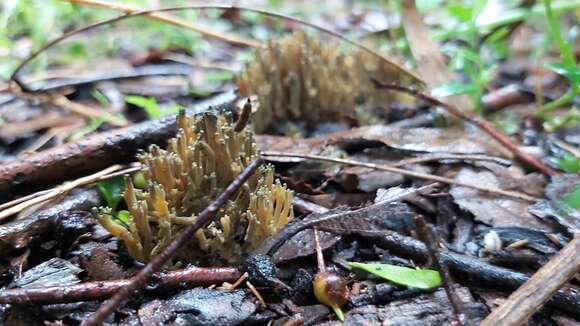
column 319, row 255
column 233, row 39
column 419, row 175
column 86, row 111
column 13, row 207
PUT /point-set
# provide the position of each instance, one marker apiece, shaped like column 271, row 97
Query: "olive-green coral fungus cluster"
column 298, row 78
column 199, row 163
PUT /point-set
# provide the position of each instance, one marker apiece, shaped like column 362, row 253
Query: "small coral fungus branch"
column 205, row 156
column 139, row 281
column 480, row 123
column 23, row 87
column 299, row 78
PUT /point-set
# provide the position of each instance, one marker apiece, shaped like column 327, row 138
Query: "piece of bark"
column 26, row 232
column 94, row 152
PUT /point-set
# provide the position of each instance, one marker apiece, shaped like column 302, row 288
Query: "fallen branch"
column 140, row 280
column 233, row 39
column 413, row 174
column 480, row 123
column 94, row 152
column 530, row 297
column 101, row 290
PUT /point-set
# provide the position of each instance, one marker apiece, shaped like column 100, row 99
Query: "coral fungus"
column 204, row 157
column 299, row 78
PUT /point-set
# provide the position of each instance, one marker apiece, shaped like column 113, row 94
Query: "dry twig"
column 413, row 174
column 426, row 235
column 139, row 281
column 86, row 111
column 94, row 291
column 233, row 39
column 43, row 196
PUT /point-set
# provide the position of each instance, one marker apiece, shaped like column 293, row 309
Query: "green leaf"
column 569, row 163
column 570, row 72
column 572, row 199
column 112, row 191
column 124, row 217
column 149, row 104
column 418, row 278
column 463, row 13
column 91, row 127
column 498, row 35
column 216, row 76
column 152, row 108
column 453, row 89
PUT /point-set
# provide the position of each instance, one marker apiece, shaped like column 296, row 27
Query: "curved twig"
column 233, row 39
column 14, row 78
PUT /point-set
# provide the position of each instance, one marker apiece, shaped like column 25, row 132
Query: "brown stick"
column 233, row 39
column 482, row 124
column 92, row 153
column 139, row 281
column 96, row 291
column 530, row 297
column 430, row 242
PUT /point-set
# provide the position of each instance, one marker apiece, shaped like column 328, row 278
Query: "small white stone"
column 492, row 241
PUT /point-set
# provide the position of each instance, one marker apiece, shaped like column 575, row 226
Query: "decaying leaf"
column 490, row 209
column 418, row 140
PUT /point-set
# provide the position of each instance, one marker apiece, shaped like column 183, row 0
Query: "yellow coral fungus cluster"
column 298, row 78
column 199, row 163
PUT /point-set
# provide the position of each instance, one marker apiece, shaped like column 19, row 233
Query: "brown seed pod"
column 331, row 289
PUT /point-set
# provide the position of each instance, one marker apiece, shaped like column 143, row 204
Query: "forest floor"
column 358, row 163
